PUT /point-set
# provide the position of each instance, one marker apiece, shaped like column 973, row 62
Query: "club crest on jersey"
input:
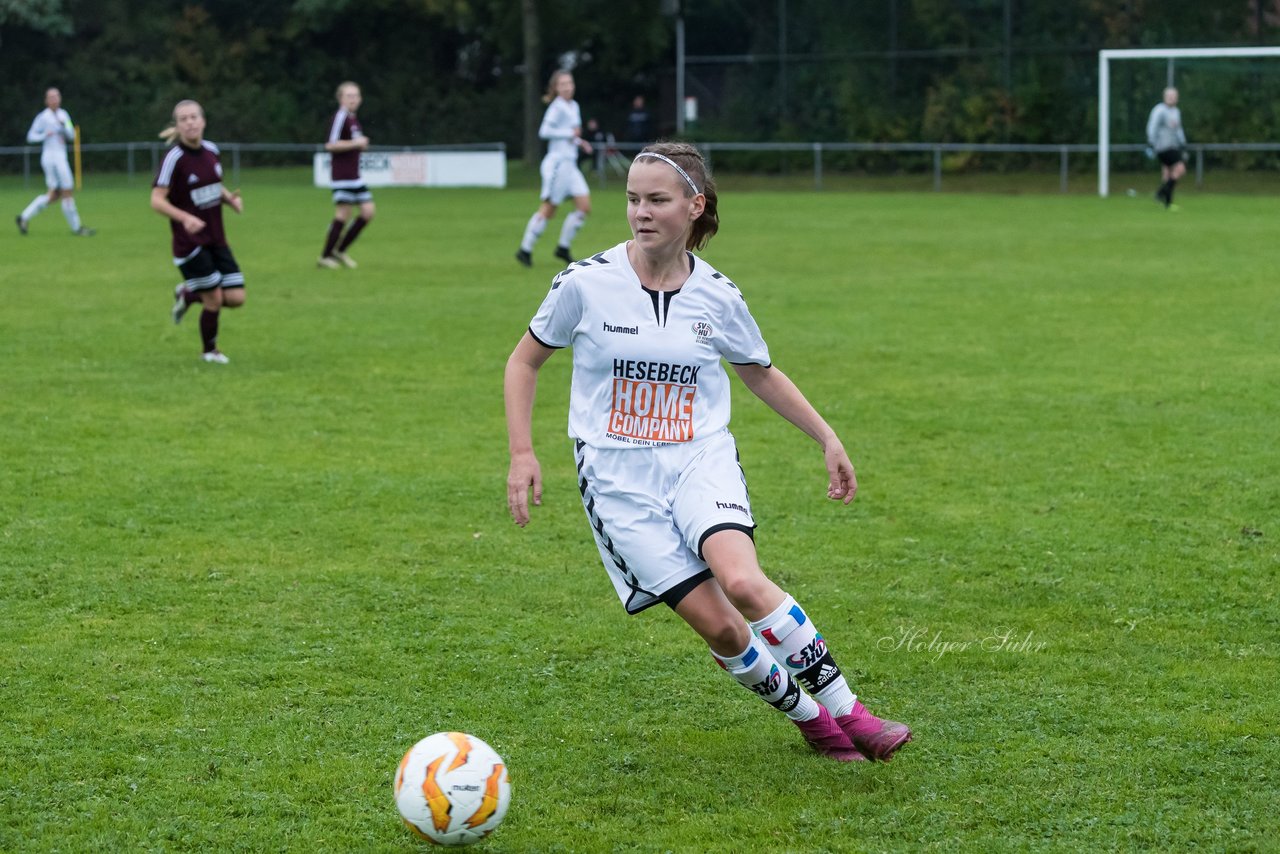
column 702, row 331
column 808, row 656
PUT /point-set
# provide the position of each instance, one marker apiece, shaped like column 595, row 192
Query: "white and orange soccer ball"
column 452, row 789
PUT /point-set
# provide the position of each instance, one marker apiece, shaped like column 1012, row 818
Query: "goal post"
column 1104, row 86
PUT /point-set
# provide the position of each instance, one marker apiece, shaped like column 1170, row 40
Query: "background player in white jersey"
column 346, row 141
column 561, row 177
column 188, row 190
column 1166, row 138
column 650, row 324
column 52, row 129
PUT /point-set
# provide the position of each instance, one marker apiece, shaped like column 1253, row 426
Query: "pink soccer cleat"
column 877, row 738
column 825, row 736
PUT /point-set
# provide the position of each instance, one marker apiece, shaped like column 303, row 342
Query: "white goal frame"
column 1104, row 86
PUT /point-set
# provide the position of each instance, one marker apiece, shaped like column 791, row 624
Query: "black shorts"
column 1169, row 156
column 352, row 195
column 211, row 267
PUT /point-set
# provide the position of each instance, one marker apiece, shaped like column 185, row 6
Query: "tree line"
column 447, row 71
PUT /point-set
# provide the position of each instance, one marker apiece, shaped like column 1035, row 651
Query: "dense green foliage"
column 233, row 595
column 444, row 71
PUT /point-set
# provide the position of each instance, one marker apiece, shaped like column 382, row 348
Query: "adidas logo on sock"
column 827, row 673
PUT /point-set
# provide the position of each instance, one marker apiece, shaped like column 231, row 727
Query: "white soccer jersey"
column 52, row 129
column 647, row 365
column 558, row 124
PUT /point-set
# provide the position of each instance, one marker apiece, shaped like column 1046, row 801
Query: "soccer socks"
column 69, row 211
column 792, row 640
column 331, row 239
column 1168, row 193
column 532, row 231
column 209, row 330
column 572, row 223
column 756, row 671
column 38, row 204
column 352, row 233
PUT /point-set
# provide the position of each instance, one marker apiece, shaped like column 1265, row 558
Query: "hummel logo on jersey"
column 191, row 179
column 809, row 655
column 730, row 505
column 770, row 684
column 624, row 330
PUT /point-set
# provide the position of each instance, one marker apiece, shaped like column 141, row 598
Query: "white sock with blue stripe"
column 756, row 671
column 792, row 640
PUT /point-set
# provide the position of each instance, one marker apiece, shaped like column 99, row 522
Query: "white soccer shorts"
column 57, row 172
column 651, row 508
column 562, row 179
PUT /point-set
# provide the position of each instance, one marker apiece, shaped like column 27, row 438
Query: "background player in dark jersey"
column 345, row 142
column 661, row 483
column 188, row 190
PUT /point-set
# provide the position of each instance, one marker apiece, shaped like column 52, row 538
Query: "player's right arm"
column 36, row 135
column 335, row 144
column 360, row 143
column 160, row 204
column 519, row 387
column 1153, row 122
column 554, row 125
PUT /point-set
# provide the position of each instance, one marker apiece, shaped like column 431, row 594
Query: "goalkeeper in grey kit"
column 1167, row 139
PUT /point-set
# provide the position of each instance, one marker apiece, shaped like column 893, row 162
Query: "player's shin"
column 569, row 230
column 791, row 639
column 532, row 231
column 72, row 215
column 209, row 330
column 756, row 671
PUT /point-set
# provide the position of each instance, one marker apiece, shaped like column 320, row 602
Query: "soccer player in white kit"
column 52, row 129
column 650, row 324
column 561, row 177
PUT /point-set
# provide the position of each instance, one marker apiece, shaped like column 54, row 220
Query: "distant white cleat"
column 217, row 357
column 328, row 262
column 347, row 260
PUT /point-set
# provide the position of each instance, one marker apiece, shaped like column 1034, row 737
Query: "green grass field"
column 233, row 595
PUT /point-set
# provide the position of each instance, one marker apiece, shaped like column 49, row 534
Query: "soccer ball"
column 452, row 789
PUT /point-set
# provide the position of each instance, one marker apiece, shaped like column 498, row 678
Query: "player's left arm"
column 783, row 396
column 232, row 198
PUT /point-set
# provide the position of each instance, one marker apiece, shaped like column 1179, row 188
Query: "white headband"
column 675, row 166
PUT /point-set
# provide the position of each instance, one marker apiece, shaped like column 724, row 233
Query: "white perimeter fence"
column 144, row 157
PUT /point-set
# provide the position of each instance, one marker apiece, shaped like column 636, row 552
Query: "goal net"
column 1224, row 101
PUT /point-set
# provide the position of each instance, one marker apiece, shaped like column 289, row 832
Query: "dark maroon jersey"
column 345, row 165
column 194, row 179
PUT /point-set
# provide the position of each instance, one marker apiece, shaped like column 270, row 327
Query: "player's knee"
column 368, row 212
column 745, row 587
column 728, row 635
